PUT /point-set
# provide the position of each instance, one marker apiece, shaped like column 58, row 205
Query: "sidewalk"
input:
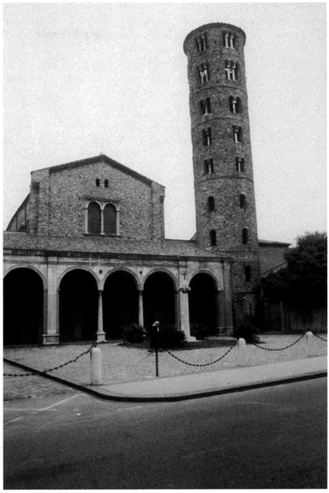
column 128, row 373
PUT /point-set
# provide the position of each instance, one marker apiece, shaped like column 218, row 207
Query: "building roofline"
column 211, row 26
column 273, row 243
column 17, row 210
column 104, row 159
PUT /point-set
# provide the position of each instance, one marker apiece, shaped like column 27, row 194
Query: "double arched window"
column 102, row 219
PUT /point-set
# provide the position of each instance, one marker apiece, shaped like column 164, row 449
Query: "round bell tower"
column 222, row 159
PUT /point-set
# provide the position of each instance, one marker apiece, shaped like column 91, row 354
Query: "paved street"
column 266, row 438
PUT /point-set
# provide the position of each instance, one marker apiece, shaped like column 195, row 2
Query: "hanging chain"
column 319, row 337
column 279, row 349
column 50, row 369
column 204, row 364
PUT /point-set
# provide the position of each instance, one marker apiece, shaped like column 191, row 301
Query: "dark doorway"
column 159, row 300
column 120, row 303
column 78, row 302
column 203, row 302
column 23, row 307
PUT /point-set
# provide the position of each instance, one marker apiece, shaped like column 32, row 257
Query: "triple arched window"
column 102, row 219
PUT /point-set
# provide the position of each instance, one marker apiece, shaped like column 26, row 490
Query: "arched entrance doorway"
column 78, row 302
column 120, row 303
column 203, row 302
column 159, row 300
column 22, row 307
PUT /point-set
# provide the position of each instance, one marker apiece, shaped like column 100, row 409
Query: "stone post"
column 242, row 352
column 95, row 366
column 309, row 343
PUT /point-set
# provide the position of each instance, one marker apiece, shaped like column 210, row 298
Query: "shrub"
column 199, row 330
column 247, row 332
column 171, row 337
column 133, row 333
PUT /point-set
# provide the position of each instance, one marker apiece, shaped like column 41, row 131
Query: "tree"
column 304, row 280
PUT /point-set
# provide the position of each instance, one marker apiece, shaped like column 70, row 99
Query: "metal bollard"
column 309, row 343
column 95, row 366
column 242, row 352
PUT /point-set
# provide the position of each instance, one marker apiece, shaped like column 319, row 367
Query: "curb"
column 176, row 397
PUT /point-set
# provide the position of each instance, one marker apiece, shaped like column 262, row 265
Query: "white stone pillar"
column 184, row 313
column 140, row 309
column 100, row 334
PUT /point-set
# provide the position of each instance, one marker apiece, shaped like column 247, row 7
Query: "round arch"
column 120, row 302
column 122, row 269
column 161, row 271
column 159, row 298
column 23, row 311
column 203, row 305
column 82, row 268
column 78, row 306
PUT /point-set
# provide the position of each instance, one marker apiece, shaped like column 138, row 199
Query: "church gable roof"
column 102, row 158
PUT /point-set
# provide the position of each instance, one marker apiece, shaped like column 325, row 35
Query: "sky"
column 82, row 79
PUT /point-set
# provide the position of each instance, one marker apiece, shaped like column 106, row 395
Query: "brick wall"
column 59, row 197
column 226, row 183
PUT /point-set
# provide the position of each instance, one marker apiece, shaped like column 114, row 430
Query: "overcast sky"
column 81, row 79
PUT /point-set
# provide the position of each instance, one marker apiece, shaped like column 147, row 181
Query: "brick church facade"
column 85, row 255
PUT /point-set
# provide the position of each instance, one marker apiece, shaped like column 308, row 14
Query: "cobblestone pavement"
column 122, row 363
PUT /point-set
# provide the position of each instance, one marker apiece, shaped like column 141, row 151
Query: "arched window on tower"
column 239, row 164
column 229, row 40
column 205, row 106
column 247, row 271
column 94, row 218
column 211, row 204
column 208, row 166
column 203, row 72
column 213, row 239
column 201, row 42
column 245, row 236
column 206, row 136
column 98, row 182
column 231, row 70
column 242, row 200
column 106, row 183
column 237, row 134
column 110, row 219
column 235, row 105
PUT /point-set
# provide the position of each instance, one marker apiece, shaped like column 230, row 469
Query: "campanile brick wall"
column 225, row 184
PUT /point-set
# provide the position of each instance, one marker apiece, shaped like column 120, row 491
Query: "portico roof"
column 25, row 242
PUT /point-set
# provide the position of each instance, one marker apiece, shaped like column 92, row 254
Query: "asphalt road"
column 266, row 438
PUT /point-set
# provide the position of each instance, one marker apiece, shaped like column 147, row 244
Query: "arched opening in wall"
column 78, row 302
column 22, row 307
column 120, row 303
column 159, row 300
column 203, row 306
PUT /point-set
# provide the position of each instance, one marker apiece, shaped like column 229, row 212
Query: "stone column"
column 184, row 313
column 44, row 316
column 140, row 309
column 100, row 334
column 225, row 301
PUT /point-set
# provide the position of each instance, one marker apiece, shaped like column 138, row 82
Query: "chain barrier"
column 32, row 373
column 278, row 349
column 319, row 337
column 204, row 364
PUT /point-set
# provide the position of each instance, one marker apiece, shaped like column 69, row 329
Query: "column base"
column 191, row 339
column 48, row 339
column 101, row 337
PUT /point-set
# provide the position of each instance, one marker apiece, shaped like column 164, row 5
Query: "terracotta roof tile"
column 104, row 245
